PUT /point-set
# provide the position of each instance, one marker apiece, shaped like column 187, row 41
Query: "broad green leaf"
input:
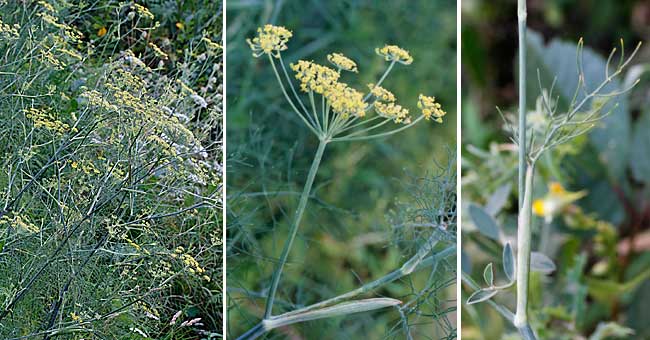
column 640, row 149
column 484, row 222
column 611, row 138
column 340, row 309
column 481, row 295
column 498, row 199
column 509, row 262
column 541, row 263
column 488, row 275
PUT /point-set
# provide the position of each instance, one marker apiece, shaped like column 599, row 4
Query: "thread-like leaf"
column 509, row 262
column 481, row 295
column 484, row 222
column 541, row 263
column 340, row 309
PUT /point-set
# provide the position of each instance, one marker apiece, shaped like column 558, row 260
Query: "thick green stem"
column 304, row 197
column 523, row 252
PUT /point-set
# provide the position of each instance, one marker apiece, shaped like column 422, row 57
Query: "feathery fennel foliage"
column 111, row 188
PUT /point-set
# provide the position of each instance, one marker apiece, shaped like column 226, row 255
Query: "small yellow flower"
column 395, row 53
column 555, row 201
column 76, row 317
column 314, row 77
column 180, row 25
column 270, row 40
column 342, row 62
column 102, row 32
column 346, row 101
column 430, row 108
column 381, row 93
column 393, row 111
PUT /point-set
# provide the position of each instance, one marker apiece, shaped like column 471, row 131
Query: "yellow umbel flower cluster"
column 395, row 53
column 143, row 11
column 323, row 80
column 381, row 93
column 8, row 31
column 43, row 118
column 342, row 62
column 314, row 77
column 20, row 223
column 393, row 111
column 270, row 40
column 346, row 101
column 430, row 108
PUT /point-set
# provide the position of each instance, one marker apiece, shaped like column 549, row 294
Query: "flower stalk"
column 302, row 204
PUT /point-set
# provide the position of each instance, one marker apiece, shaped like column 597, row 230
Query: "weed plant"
column 427, row 304
column 111, row 188
column 555, row 124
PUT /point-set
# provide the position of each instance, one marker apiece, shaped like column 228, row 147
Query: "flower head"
column 314, row 77
column 393, row 111
column 345, row 100
column 395, row 53
column 555, row 201
column 270, row 40
column 381, row 93
column 342, row 62
column 430, row 108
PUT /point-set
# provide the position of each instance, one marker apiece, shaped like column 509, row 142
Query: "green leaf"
column 558, row 59
column 484, row 222
column 541, row 263
column 498, row 200
column 509, row 262
column 481, row 295
column 488, row 275
column 640, row 155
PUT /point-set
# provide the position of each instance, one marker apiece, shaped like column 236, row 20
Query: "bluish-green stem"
column 523, row 251
column 302, row 204
column 521, row 15
column 526, row 172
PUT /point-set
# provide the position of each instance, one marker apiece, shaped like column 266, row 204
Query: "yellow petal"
column 102, row 32
column 180, row 25
column 538, row 207
column 556, row 188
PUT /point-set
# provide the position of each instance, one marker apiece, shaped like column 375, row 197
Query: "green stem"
column 302, row 204
column 523, row 252
column 521, row 14
column 293, row 106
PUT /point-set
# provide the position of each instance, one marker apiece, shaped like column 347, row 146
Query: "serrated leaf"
column 485, row 223
column 509, row 262
column 541, row 263
column 481, row 295
column 340, row 309
column 498, row 199
column 488, row 275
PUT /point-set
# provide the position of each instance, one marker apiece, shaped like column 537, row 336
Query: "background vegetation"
column 110, row 131
column 346, row 235
column 600, row 242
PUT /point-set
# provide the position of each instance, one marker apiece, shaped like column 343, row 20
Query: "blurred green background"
column 345, row 237
column 600, row 278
